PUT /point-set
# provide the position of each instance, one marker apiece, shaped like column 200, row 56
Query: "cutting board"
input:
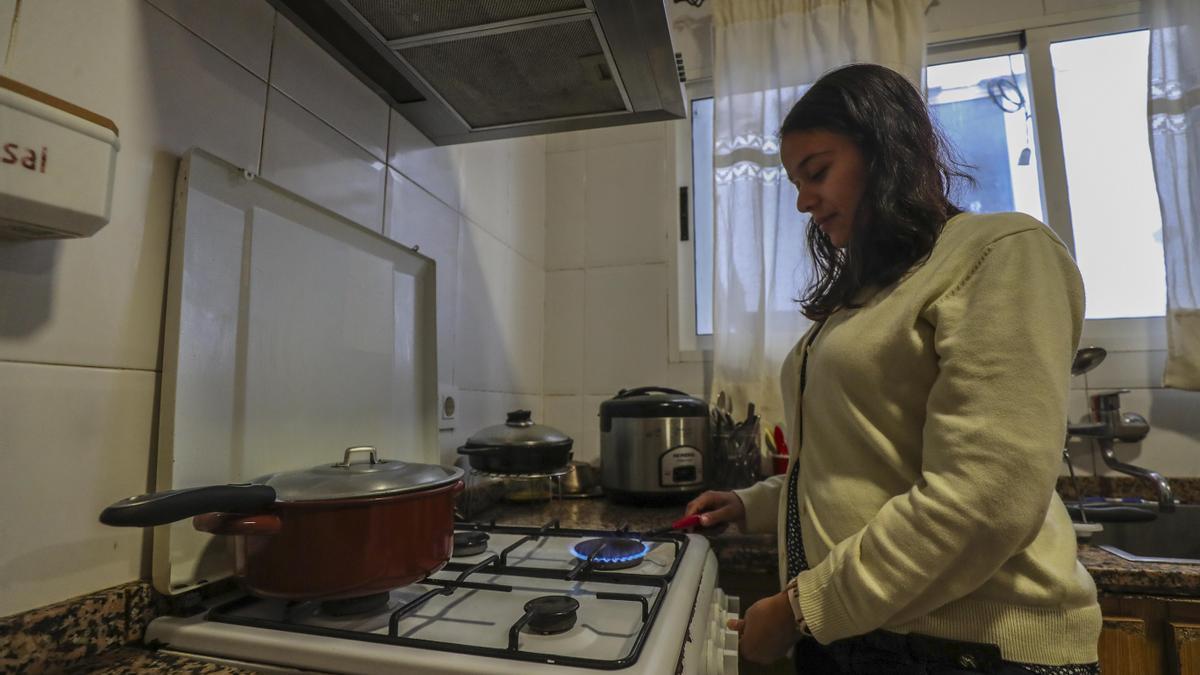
column 290, row 334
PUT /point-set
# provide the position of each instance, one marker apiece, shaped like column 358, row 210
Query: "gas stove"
column 528, row 600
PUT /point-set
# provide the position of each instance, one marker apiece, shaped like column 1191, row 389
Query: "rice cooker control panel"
column 681, row 466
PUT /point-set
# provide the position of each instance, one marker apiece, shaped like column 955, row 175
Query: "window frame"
column 1030, row 37
column 685, row 344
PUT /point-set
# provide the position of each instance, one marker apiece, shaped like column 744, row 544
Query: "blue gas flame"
column 613, row 559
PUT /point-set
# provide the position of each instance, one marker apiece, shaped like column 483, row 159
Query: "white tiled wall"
column 610, row 199
column 80, row 320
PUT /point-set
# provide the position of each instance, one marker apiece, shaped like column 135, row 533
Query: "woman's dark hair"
column 909, row 170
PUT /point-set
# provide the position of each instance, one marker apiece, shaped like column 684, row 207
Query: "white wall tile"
column 433, row 167
column 589, row 437
column 478, row 410
column 566, row 209
column 625, row 328
column 606, row 137
column 315, row 80
column 1132, row 370
column 564, row 331
column 626, row 198
column 240, row 29
column 98, row 301
column 483, row 186
column 500, row 312
column 689, row 377
column 74, row 441
column 303, row 154
column 567, row 140
column 416, row 218
column 528, row 196
column 565, row 413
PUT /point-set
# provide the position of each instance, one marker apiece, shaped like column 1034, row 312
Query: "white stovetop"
column 476, row 617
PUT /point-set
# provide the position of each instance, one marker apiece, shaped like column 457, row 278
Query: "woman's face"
column 829, row 172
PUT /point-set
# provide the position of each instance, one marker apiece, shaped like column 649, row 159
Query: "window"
column 982, row 107
column 1100, row 86
column 1051, row 122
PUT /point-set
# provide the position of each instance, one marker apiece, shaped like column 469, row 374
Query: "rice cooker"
column 654, row 445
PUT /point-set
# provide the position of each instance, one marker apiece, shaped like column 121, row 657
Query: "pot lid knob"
column 520, row 418
column 345, row 463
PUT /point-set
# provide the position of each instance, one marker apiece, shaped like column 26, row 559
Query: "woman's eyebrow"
column 814, row 155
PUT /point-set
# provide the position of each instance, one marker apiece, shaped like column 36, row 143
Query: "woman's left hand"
column 768, row 630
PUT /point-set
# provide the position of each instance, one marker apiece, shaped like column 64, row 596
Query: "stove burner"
column 363, row 604
column 469, row 543
column 551, row 614
column 611, row 553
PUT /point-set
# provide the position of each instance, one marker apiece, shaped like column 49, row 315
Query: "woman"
column 919, row 528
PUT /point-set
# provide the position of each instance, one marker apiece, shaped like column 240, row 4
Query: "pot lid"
column 518, row 431
column 365, row 477
column 653, row 402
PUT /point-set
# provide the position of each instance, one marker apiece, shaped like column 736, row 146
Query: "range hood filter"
column 401, row 19
column 518, row 76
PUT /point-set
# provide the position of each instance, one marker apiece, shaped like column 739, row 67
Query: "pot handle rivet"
column 345, row 464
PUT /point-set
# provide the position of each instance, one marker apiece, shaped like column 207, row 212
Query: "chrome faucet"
column 1108, row 426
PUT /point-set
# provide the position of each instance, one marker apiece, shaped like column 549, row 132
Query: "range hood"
column 472, row 70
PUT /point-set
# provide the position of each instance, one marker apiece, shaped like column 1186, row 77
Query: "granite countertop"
column 135, row 660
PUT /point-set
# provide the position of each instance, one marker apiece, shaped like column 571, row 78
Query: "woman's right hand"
column 716, row 508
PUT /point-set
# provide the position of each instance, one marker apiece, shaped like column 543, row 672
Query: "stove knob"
column 729, row 662
column 731, row 640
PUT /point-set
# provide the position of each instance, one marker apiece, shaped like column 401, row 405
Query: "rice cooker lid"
column 652, row 402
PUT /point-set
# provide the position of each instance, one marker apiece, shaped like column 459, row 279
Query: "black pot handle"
column 626, row 393
column 160, row 508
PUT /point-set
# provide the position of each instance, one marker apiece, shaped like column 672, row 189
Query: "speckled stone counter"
column 1114, row 574
column 96, row 633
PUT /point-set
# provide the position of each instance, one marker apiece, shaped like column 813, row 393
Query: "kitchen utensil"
column 580, row 480
column 333, row 531
column 654, row 445
column 686, row 523
column 1086, row 359
column 518, row 447
column 781, row 451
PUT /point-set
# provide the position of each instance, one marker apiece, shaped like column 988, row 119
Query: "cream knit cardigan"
column 933, row 424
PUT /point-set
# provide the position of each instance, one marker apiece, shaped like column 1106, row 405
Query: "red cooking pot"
column 333, row 531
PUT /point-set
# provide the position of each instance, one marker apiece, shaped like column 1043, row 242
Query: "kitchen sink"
column 1168, row 538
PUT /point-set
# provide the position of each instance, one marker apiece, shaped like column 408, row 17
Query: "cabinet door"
column 1127, row 648
column 1186, row 640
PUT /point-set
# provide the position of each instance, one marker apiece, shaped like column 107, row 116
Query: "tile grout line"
column 262, row 140
column 77, row 365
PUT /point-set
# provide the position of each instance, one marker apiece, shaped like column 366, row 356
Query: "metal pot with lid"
column 390, row 522
column 654, row 444
column 519, row 446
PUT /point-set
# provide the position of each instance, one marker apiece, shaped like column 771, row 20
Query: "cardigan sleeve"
column 1004, row 334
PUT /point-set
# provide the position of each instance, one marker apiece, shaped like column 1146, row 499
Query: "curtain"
column 1174, row 121
column 768, row 52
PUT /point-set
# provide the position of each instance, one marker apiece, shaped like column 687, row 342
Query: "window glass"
column 1100, row 84
column 702, row 210
column 982, row 107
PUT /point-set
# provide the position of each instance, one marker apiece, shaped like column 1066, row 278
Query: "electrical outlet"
column 447, row 410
